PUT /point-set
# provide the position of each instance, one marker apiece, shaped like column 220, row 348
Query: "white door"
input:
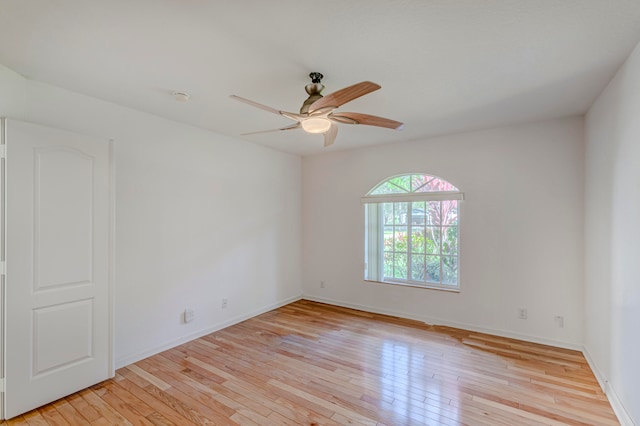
column 58, row 292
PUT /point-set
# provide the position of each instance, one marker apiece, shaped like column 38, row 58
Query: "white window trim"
column 413, row 196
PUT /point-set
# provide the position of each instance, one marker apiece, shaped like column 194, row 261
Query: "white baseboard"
column 130, row 359
column 601, row 378
column 437, row 321
column 618, row 408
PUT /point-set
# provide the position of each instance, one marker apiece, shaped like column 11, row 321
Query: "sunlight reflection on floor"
column 415, row 393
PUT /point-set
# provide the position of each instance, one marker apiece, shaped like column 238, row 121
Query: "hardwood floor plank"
column 148, row 377
column 34, row 418
column 160, row 408
column 82, row 407
column 70, row 414
column 101, row 422
column 329, row 405
column 125, row 397
column 278, row 419
column 197, row 411
column 106, row 412
column 136, row 414
column 302, row 414
column 309, row 363
column 18, row 421
column 52, row 416
column 180, row 407
column 158, row 419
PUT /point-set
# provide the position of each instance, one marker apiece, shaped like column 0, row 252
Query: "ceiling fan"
column 317, row 112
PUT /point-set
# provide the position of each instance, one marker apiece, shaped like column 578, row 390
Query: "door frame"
column 111, row 281
column 3, row 247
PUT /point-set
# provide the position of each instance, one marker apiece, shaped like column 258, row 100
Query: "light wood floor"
column 315, row 364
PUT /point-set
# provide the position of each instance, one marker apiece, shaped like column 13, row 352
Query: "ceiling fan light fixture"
column 316, row 125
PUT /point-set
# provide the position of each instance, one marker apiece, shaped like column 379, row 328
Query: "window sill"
column 423, row 286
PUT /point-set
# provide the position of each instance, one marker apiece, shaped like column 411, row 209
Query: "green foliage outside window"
column 432, row 248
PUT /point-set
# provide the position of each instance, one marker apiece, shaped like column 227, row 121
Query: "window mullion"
column 380, row 238
column 393, row 240
column 441, row 243
column 409, row 242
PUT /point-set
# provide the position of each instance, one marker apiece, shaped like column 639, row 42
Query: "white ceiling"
column 445, row 66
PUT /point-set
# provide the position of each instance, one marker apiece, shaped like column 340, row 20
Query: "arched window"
column 412, row 232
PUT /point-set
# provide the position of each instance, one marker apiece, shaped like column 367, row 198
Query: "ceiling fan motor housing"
column 314, row 90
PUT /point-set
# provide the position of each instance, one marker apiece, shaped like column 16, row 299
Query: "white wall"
column 199, row 217
column 12, row 93
column 612, row 230
column 521, row 229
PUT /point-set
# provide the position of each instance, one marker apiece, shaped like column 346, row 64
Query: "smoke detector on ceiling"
column 181, row 96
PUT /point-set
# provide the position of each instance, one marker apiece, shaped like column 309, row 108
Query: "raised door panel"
column 63, row 212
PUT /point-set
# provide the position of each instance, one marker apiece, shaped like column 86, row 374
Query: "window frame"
column 375, row 225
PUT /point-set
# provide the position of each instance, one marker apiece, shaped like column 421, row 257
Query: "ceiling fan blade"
column 321, row 111
column 293, row 116
column 366, row 119
column 345, row 95
column 255, row 104
column 330, row 135
column 292, row 127
column 340, row 119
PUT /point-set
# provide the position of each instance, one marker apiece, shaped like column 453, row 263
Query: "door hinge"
column 3, row 268
column 3, row 151
column 2, row 385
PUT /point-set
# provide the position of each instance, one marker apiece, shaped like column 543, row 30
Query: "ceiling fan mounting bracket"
column 316, row 77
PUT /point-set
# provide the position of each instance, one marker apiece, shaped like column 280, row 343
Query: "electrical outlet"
column 322, row 285
column 225, row 302
column 187, row 315
column 559, row 321
column 522, row 313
